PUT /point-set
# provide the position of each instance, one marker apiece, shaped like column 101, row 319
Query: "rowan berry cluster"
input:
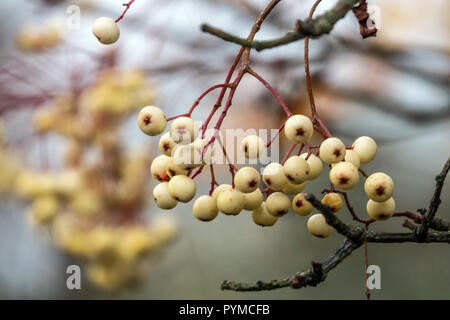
column 93, row 204
column 183, row 151
column 37, row 38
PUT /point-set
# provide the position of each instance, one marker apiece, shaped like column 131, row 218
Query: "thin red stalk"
column 288, row 153
column 301, row 149
column 222, row 92
column 366, row 264
column 127, row 6
column 308, row 149
column 197, row 101
column 213, row 179
column 196, row 173
column 416, row 218
column 316, row 119
column 364, row 174
column 349, row 206
column 275, row 136
column 232, row 168
column 272, row 90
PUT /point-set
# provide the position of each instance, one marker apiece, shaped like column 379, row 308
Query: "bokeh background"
column 393, row 87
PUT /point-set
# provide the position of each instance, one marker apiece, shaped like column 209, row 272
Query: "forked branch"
column 313, row 28
column 355, row 238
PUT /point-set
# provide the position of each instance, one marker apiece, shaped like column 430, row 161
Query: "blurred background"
column 74, row 167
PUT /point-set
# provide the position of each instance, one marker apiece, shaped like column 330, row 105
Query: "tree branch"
column 258, row 286
column 351, row 232
column 355, row 238
column 316, row 27
column 434, row 203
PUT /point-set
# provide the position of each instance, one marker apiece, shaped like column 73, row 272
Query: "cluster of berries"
column 35, row 38
column 281, row 179
column 93, row 203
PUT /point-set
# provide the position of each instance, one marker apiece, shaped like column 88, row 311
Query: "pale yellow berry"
column 294, row 188
column 344, row 176
column 278, row 204
column 253, row 199
column 186, row 156
column 201, row 155
column 182, row 188
column 380, row 211
column 166, row 144
column 162, row 197
column 262, row 217
column 334, row 201
column 298, row 129
column 302, row 206
column 151, row 120
column 163, row 229
column 183, row 130
column 366, row 148
column 247, row 179
column 273, row 176
column 332, row 150
column 352, row 157
column 106, row 30
column 315, row 165
column 252, row 146
column 219, row 190
column 158, row 168
column 205, row 208
column 174, row 170
column 317, row 226
column 230, row 202
column 44, row 208
column 87, row 202
column 296, row 169
column 379, row 187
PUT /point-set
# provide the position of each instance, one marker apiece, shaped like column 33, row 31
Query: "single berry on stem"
column 298, row 129
column 366, row 148
column 332, row 150
column 290, row 188
column 380, row 211
column 317, row 226
column 253, row 199
column 344, row 176
column 182, row 188
column 278, row 204
column 262, row 217
column 302, row 206
column 315, row 165
column 333, row 200
column 230, row 202
column 205, row 208
column 273, row 176
column 162, row 197
column 379, row 187
column 151, row 120
column 106, row 30
column 247, row 179
column 296, row 169
column 158, row 168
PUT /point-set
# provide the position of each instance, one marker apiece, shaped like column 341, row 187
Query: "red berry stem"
column 198, row 100
column 127, row 6
column 272, row 90
column 288, row 153
column 278, row 133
